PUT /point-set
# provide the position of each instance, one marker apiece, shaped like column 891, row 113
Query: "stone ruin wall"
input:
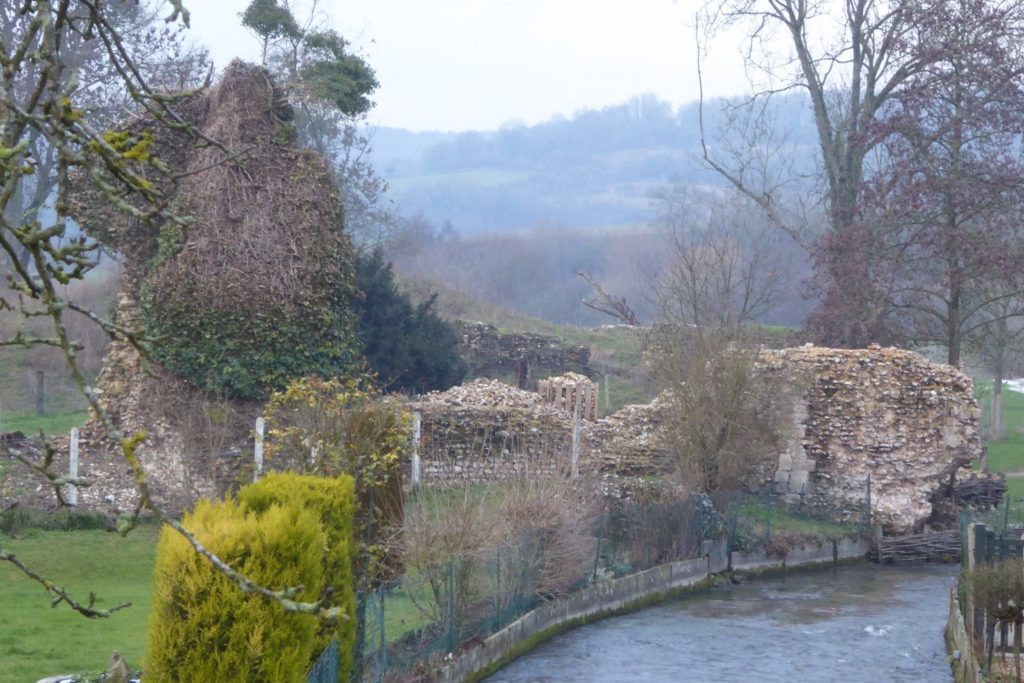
column 487, row 430
column 525, row 357
column 909, row 423
column 141, row 396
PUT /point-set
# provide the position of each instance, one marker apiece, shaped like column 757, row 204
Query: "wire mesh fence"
column 433, row 612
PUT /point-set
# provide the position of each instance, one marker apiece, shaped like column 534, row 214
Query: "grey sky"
column 477, row 64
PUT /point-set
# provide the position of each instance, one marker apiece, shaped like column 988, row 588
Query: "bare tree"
column 915, row 105
column 849, row 64
column 726, row 267
column 159, row 51
column 999, row 342
column 608, row 304
column 724, row 272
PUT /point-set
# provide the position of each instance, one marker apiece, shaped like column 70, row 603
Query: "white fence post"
column 73, row 467
column 258, row 450
column 414, row 471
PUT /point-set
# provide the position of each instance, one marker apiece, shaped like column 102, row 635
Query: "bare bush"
column 447, row 530
column 548, row 532
column 723, row 415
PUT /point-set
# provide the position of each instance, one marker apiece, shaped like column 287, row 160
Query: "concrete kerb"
column 965, row 667
column 630, row 593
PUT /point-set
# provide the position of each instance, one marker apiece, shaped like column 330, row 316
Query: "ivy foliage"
column 408, row 347
column 256, row 288
column 242, row 355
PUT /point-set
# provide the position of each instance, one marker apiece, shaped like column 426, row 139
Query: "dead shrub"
column 547, row 528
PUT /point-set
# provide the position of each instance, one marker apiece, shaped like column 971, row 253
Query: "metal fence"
column 325, row 669
column 992, row 543
column 433, row 612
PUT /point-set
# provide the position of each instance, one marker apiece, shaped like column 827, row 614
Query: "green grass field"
column 52, row 424
column 1007, row 455
column 37, row 640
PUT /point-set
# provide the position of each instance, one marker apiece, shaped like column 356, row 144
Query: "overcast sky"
column 477, row 64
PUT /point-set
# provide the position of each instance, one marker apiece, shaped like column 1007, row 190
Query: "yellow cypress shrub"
column 204, row 628
column 332, row 499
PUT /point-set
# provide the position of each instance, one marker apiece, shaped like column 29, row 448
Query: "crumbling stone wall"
column 907, row 422
column 527, row 357
column 487, row 430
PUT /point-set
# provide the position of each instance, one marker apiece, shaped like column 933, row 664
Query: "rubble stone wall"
column 906, row 422
column 527, row 357
column 889, row 414
column 487, row 430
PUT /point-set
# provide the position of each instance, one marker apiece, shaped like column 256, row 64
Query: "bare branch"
column 608, row 304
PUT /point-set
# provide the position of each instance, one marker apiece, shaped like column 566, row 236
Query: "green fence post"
column 360, row 645
column 382, row 653
column 497, row 589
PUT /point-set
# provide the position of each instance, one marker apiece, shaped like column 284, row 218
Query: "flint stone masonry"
column 527, row 357
column 487, row 430
column 907, row 422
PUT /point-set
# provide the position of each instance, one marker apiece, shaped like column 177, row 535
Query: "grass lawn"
column 53, row 424
column 1007, row 455
column 37, row 640
column 758, row 519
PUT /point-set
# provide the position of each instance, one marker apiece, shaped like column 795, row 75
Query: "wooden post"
column 73, row 467
column 414, row 469
column 258, row 450
column 40, row 379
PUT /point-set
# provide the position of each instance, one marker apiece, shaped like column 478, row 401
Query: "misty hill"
column 597, row 168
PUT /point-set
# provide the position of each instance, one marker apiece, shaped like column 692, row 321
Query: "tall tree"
column 329, row 88
column 946, row 192
column 913, row 108
column 848, row 81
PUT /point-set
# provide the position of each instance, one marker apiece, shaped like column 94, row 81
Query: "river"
column 860, row 623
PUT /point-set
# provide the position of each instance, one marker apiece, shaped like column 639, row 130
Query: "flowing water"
column 863, row 623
